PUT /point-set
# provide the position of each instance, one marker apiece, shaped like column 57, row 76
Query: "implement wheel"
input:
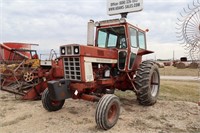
column 107, row 111
column 50, row 104
column 28, row 77
column 148, row 83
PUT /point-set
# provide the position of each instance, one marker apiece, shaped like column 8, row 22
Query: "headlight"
column 69, row 50
column 62, row 50
column 97, row 24
column 122, row 20
column 76, row 49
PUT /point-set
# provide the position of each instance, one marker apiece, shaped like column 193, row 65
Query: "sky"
column 52, row 23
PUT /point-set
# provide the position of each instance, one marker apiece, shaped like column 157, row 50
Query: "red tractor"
column 93, row 72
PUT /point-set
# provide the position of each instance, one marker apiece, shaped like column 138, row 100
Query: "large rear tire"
column 148, row 83
column 107, row 111
column 50, row 104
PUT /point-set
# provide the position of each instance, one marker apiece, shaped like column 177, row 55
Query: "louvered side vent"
column 72, row 68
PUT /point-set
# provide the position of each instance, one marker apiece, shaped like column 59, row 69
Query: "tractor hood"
column 88, row 51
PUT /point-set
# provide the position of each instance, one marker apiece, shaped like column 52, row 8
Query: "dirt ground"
column 77, row 116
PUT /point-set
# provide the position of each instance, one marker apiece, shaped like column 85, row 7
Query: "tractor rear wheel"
column 50, row 104
column 107, row 111
column 147, row 83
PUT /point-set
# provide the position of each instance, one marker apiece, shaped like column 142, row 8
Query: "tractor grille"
column 72, row 68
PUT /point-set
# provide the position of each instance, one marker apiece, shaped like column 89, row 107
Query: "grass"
column 172, row 91
column 173, row 71
column 180, row 90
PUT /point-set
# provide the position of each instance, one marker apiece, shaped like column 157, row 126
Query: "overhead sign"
column 115, row 7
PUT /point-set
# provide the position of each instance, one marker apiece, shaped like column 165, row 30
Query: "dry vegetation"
column 175, row 112
column 173, row 91
column 180, row 91
column 173, row 71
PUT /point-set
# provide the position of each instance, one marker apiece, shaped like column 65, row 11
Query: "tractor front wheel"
column 50, row 104
column 107, row 111
column 148, row 83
